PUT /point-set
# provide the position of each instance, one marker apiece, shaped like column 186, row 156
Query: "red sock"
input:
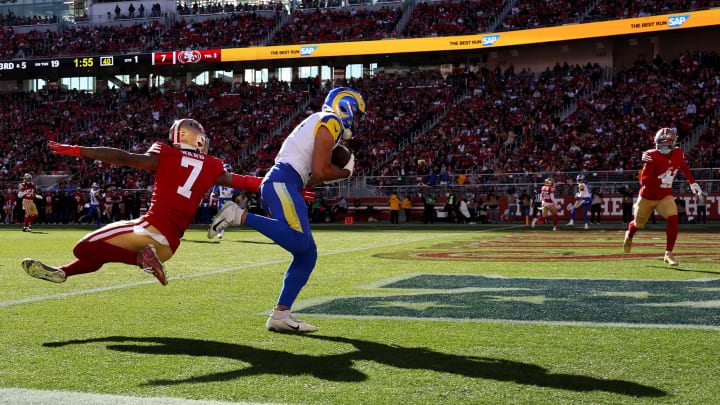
column 672, row 232
column 79, row 266
column 555, row 220
column 33, row 218
column 26, row 221
column 632, row 228
column 103, row 252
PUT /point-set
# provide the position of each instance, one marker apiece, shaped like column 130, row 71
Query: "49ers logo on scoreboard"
column 184, row 57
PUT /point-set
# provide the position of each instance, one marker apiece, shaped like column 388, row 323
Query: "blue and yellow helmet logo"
column 580, row 178
column 346, row 103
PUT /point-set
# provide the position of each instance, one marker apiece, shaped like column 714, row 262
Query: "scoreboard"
column 97, row 65
column 73, row 66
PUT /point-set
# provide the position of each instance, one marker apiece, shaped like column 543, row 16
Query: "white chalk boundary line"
column 214, row 272
column 21, row 396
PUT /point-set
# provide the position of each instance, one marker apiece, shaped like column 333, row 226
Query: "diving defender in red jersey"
column 183, row 174
column 660, row 167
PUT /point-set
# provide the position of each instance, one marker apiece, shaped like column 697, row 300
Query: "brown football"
column 340, row 156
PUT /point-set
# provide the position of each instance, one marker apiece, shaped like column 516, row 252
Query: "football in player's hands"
column 340, row 156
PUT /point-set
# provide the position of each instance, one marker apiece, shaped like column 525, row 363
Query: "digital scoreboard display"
column 93, row 65
column 79, row 64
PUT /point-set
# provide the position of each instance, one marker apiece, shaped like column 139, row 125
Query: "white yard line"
column 210, row 273
column 21, row 396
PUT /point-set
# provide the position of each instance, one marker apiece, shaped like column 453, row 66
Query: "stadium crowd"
column 609, row 128
column 532, row 14
column 452, row 18
column 327, row 25
column 613, row 9
column 313, row 21
column 237, row 30
column 11, row 19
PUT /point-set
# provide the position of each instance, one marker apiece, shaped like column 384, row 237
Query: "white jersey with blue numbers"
column 583, row 191
column 297, row 150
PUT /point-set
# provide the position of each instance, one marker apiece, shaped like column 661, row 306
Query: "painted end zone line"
column 210, row 273
column 19, row 396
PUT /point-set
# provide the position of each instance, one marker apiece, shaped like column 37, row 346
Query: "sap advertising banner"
column 665, row 22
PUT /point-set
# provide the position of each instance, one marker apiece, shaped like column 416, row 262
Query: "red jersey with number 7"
column 181, row 180
column 662, row 166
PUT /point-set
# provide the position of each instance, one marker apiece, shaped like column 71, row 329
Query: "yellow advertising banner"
column 667, row 22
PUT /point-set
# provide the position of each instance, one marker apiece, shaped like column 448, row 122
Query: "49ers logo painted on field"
column 577, row 246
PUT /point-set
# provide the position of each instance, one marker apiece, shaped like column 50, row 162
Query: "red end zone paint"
column 545, row 258
column 553, row 247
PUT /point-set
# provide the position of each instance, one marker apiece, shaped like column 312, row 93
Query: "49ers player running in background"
column 26, row 191
column 659, row 170
column 183, row 174
column 547, row 193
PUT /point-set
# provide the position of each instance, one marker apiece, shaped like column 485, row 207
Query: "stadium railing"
column 477, row 183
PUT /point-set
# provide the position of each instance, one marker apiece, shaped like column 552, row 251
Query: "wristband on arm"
column 247, row 183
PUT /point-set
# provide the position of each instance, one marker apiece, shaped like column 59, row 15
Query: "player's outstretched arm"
column 247, row 183
column 117, row 157
column 322, row 168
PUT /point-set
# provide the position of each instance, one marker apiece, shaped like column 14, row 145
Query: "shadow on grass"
column 339, row 367
column 717, row 273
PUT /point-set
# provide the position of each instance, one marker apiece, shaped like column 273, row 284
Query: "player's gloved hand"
column 696, row 189
column 308, row 194
column 646, row 157
column 350, row 165
column 63, row 149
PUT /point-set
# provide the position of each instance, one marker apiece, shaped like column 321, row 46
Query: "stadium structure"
column 464, row 97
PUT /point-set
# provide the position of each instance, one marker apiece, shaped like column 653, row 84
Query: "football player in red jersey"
column 549, row 204
column 183, row 173
column 26, row 191
column 659, row 169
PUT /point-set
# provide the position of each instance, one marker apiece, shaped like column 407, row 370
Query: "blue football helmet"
column 580, row 178
column 347, row 104
column 227, row 167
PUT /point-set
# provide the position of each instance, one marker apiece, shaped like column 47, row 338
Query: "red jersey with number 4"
column 181, row 180
column 661, row 166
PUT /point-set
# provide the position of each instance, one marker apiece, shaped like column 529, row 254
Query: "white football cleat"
column 283, row 321
column 230, row 214
column 534, row 222
column 571, row 223
column 555, row 228
column 586, row 226
column 221, row 234
column 43, row 271
column 670, row 259
column 627, row 243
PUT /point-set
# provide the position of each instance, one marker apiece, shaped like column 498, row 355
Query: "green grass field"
column 407, row 315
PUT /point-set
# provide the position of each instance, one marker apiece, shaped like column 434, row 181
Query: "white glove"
column 350, row 165
column 646, row 157
column 696, row 189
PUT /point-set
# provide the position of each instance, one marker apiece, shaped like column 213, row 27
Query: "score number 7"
column 185, row 189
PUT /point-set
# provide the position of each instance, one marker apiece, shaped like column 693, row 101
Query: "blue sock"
column 297, row 276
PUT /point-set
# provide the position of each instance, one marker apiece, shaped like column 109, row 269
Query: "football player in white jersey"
column 304, row 160
column 583, row 200
column 224, row 195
